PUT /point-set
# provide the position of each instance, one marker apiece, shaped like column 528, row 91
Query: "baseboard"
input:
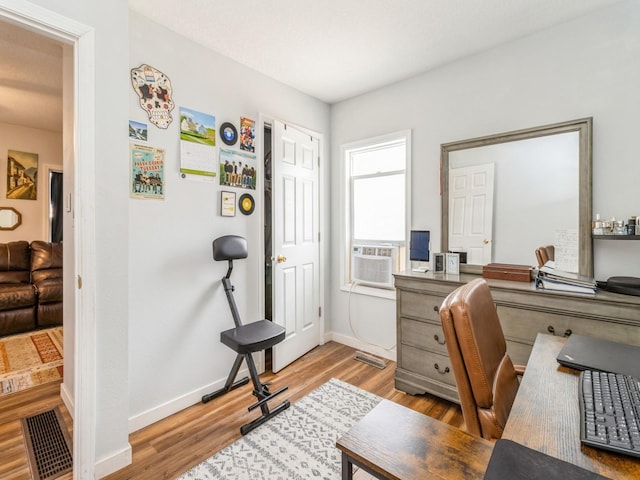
column 162, row 411
column 67, row 399
column 113, row 463
column 363, row 346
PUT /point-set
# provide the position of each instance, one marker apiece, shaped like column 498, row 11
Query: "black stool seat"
column 253, row 337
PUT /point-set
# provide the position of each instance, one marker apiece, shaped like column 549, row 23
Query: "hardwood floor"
column 173, row 445
column 13, row 455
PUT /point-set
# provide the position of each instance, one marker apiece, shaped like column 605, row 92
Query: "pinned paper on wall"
column 147, row 172
column 197, row 144
column 566, row 250
column 247, row 134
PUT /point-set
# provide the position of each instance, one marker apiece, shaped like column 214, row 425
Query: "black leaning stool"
column 246, row 339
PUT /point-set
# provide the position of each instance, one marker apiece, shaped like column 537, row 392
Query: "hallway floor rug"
column 30, row 359
column 299, row 443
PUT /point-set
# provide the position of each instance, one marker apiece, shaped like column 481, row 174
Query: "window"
column 377, row 201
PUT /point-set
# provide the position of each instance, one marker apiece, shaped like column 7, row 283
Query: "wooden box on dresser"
column 422, row 361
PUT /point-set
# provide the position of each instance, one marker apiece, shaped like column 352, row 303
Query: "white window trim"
column 345, row 212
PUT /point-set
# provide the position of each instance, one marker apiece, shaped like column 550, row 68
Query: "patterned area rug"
column 298, row 443
column 30, row 359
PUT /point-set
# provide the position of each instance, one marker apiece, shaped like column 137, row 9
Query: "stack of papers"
column 550, row 278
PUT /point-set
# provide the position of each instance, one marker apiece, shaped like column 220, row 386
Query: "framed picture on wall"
column 228, row 204
column 22, row 175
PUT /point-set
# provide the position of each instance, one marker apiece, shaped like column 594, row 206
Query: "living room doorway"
column 78, row 60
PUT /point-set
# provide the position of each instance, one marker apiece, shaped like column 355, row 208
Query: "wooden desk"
column 396, row 442
column 545, row 415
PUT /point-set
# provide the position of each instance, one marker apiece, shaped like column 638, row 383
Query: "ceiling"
column 329, row 49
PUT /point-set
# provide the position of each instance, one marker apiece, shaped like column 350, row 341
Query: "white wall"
column 48, row 146
column 587, row 67
column 177, row 305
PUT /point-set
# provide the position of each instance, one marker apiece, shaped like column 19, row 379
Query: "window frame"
column 347, row 208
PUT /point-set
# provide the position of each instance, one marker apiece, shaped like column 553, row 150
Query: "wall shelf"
column 616, row 237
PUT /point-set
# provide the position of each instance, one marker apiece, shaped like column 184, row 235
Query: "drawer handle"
column 441, row 372
column 437, row 339
column 436, row 308
column 551, row 330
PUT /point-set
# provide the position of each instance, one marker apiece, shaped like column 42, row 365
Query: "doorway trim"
column 79, row 143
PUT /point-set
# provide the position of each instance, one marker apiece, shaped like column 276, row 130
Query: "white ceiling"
column 30, row 79
column 330, row 49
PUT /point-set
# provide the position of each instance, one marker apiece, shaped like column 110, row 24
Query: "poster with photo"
column 237, row 169
column 22, row 175
column 147, row 172
column 247, row 134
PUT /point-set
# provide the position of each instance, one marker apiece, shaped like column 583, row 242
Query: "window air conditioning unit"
column 374, row 264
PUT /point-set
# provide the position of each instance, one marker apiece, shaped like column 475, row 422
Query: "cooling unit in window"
column 374, row 264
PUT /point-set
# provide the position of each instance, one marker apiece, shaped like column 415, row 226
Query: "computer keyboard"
column 610, row 411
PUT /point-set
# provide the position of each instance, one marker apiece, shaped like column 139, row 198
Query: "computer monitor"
column 419, row 245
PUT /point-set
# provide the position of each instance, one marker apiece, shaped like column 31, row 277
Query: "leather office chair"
column 485, row 376
column 544, row 254
column 246, row 339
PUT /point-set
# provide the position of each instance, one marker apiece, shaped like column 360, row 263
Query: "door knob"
column 281, row 259
column 485, row 241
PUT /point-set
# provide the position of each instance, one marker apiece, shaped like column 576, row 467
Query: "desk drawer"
column 422, row 335
column 419, row 305
column 523, row 325
column 428, row 364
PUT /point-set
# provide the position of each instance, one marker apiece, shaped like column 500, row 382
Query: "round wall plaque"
column 228, row 133
column 246, row 204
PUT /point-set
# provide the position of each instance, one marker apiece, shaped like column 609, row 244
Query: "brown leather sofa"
column 30, row 286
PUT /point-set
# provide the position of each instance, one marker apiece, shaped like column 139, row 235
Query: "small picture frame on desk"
column 452, row 263
column 438, row 262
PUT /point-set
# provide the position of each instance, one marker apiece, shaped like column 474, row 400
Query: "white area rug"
column 299, row 443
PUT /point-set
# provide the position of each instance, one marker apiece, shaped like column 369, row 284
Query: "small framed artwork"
column 453, row 263
column 438, row 262
column 228, row 204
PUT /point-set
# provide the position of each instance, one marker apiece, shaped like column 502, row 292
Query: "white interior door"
column 471, row 212
column 296, row 297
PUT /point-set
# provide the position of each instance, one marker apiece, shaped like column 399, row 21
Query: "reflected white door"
column 471, row 212
column 296, row 302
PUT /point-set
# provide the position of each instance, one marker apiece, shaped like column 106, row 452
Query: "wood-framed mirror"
column 10, row 218
column 541, row 189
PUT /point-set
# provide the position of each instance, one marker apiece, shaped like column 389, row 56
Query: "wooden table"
column 545, row 415
column 396, row 442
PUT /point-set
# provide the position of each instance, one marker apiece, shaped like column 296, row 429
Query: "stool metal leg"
column 229, row 385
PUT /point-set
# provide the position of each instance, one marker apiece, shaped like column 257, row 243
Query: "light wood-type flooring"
column 171, row 446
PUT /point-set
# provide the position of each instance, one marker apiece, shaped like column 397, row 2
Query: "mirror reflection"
column 506, row 195
column 10, row 218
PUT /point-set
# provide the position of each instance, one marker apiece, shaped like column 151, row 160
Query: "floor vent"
column 48, row 445
column 370, row 360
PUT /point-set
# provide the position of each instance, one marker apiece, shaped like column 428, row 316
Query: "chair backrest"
column 229, row 247
column 544, row 254
column 485, row 376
